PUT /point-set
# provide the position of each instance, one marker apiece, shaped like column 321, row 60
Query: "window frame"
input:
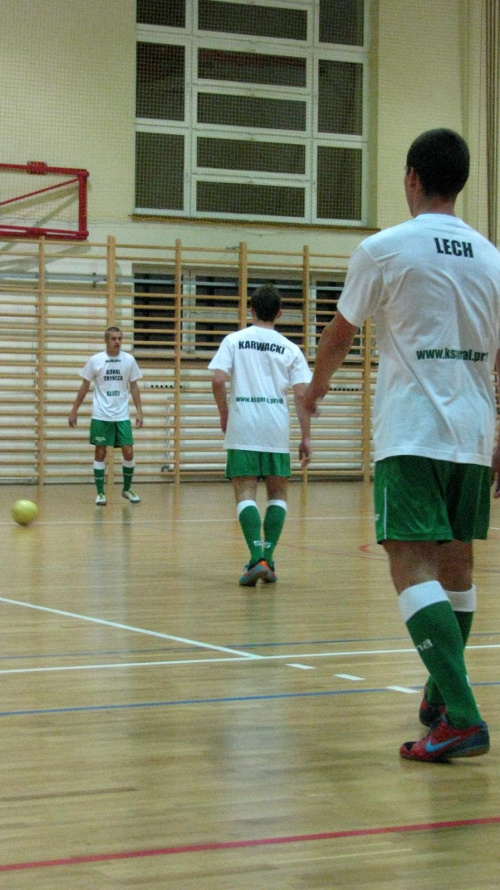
column 312, row 50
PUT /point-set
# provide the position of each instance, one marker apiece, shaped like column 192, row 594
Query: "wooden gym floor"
column 162, row 727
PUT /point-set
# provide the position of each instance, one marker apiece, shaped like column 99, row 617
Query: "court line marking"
column 134, row 706
column 118, row 664
column 188, row 661
column 239, row 655
column 252, row 842
column 221, row 700
column 236, row 659
column 366, row 852
column 131, row 628
column 349, row 677
column 247, row 646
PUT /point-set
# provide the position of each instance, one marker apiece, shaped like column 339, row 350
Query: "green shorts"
column 111, row 432
column 421, row 499
column 256, row 463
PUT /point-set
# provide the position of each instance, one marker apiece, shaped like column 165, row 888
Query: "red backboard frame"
column 76, row 176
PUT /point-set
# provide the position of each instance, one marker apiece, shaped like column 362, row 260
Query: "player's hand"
column 72, row 418
column 138, row 419
column 305, row 452
column 495, row 472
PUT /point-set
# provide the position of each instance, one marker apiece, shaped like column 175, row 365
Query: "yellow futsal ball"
column 24, row 512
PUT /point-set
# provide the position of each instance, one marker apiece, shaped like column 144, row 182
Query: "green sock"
column 436, row 634
column 99, row 467
column 274, row 520
column 250, row 521
column 128, row 468
column 463, row 604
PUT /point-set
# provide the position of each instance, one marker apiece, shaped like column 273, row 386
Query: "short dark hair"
column 441, row 159
column 266, row 302
column 111, row 330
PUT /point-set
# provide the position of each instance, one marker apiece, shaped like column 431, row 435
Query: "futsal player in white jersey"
column 113, row 373
column 432, row 285
column 263, row 365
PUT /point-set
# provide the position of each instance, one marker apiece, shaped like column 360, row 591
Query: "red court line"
column 258, row 842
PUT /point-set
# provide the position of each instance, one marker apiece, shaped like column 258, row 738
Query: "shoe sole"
column 473, row 752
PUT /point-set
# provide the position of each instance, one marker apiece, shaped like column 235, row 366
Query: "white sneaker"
column 101, row 499
column 131, row 496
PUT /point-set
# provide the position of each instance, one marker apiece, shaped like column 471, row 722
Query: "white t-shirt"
column 433, row 287
column 263, row 364
column 111, row 376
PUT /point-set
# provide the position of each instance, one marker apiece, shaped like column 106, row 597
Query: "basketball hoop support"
column 76, row 176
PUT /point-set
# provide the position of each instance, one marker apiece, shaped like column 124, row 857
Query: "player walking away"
column 433, row 286
column 113, row 373
column 262, row 364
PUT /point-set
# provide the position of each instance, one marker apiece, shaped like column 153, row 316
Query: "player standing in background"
column 433, row 287
column 263, row 364
column 113, row 372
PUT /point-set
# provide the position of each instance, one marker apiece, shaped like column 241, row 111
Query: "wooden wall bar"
column 174, row 304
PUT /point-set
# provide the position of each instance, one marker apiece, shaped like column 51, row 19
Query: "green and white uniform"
column 432, row 285
column 263, row 365
column 110, row 424
column 111, row 376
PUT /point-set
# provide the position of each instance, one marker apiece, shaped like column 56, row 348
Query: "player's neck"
column 434, row 204
column 264, row 324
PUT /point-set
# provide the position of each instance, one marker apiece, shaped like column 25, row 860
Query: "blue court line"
column 341, row 642
column 209, row 701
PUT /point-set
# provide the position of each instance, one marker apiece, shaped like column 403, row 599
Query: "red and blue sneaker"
column 444, row 742
column 252, row 572
column 271, row 576
column 429, row 713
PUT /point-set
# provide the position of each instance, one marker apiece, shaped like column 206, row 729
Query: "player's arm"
column 334, row 344
column 220, row 396
column 82, row 392
column 495, row 461
column 136, row 395
column 304, row 418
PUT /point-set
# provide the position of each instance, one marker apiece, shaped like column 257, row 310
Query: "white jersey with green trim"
column 432, row 285
column 263, row 365
column 111, row 376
